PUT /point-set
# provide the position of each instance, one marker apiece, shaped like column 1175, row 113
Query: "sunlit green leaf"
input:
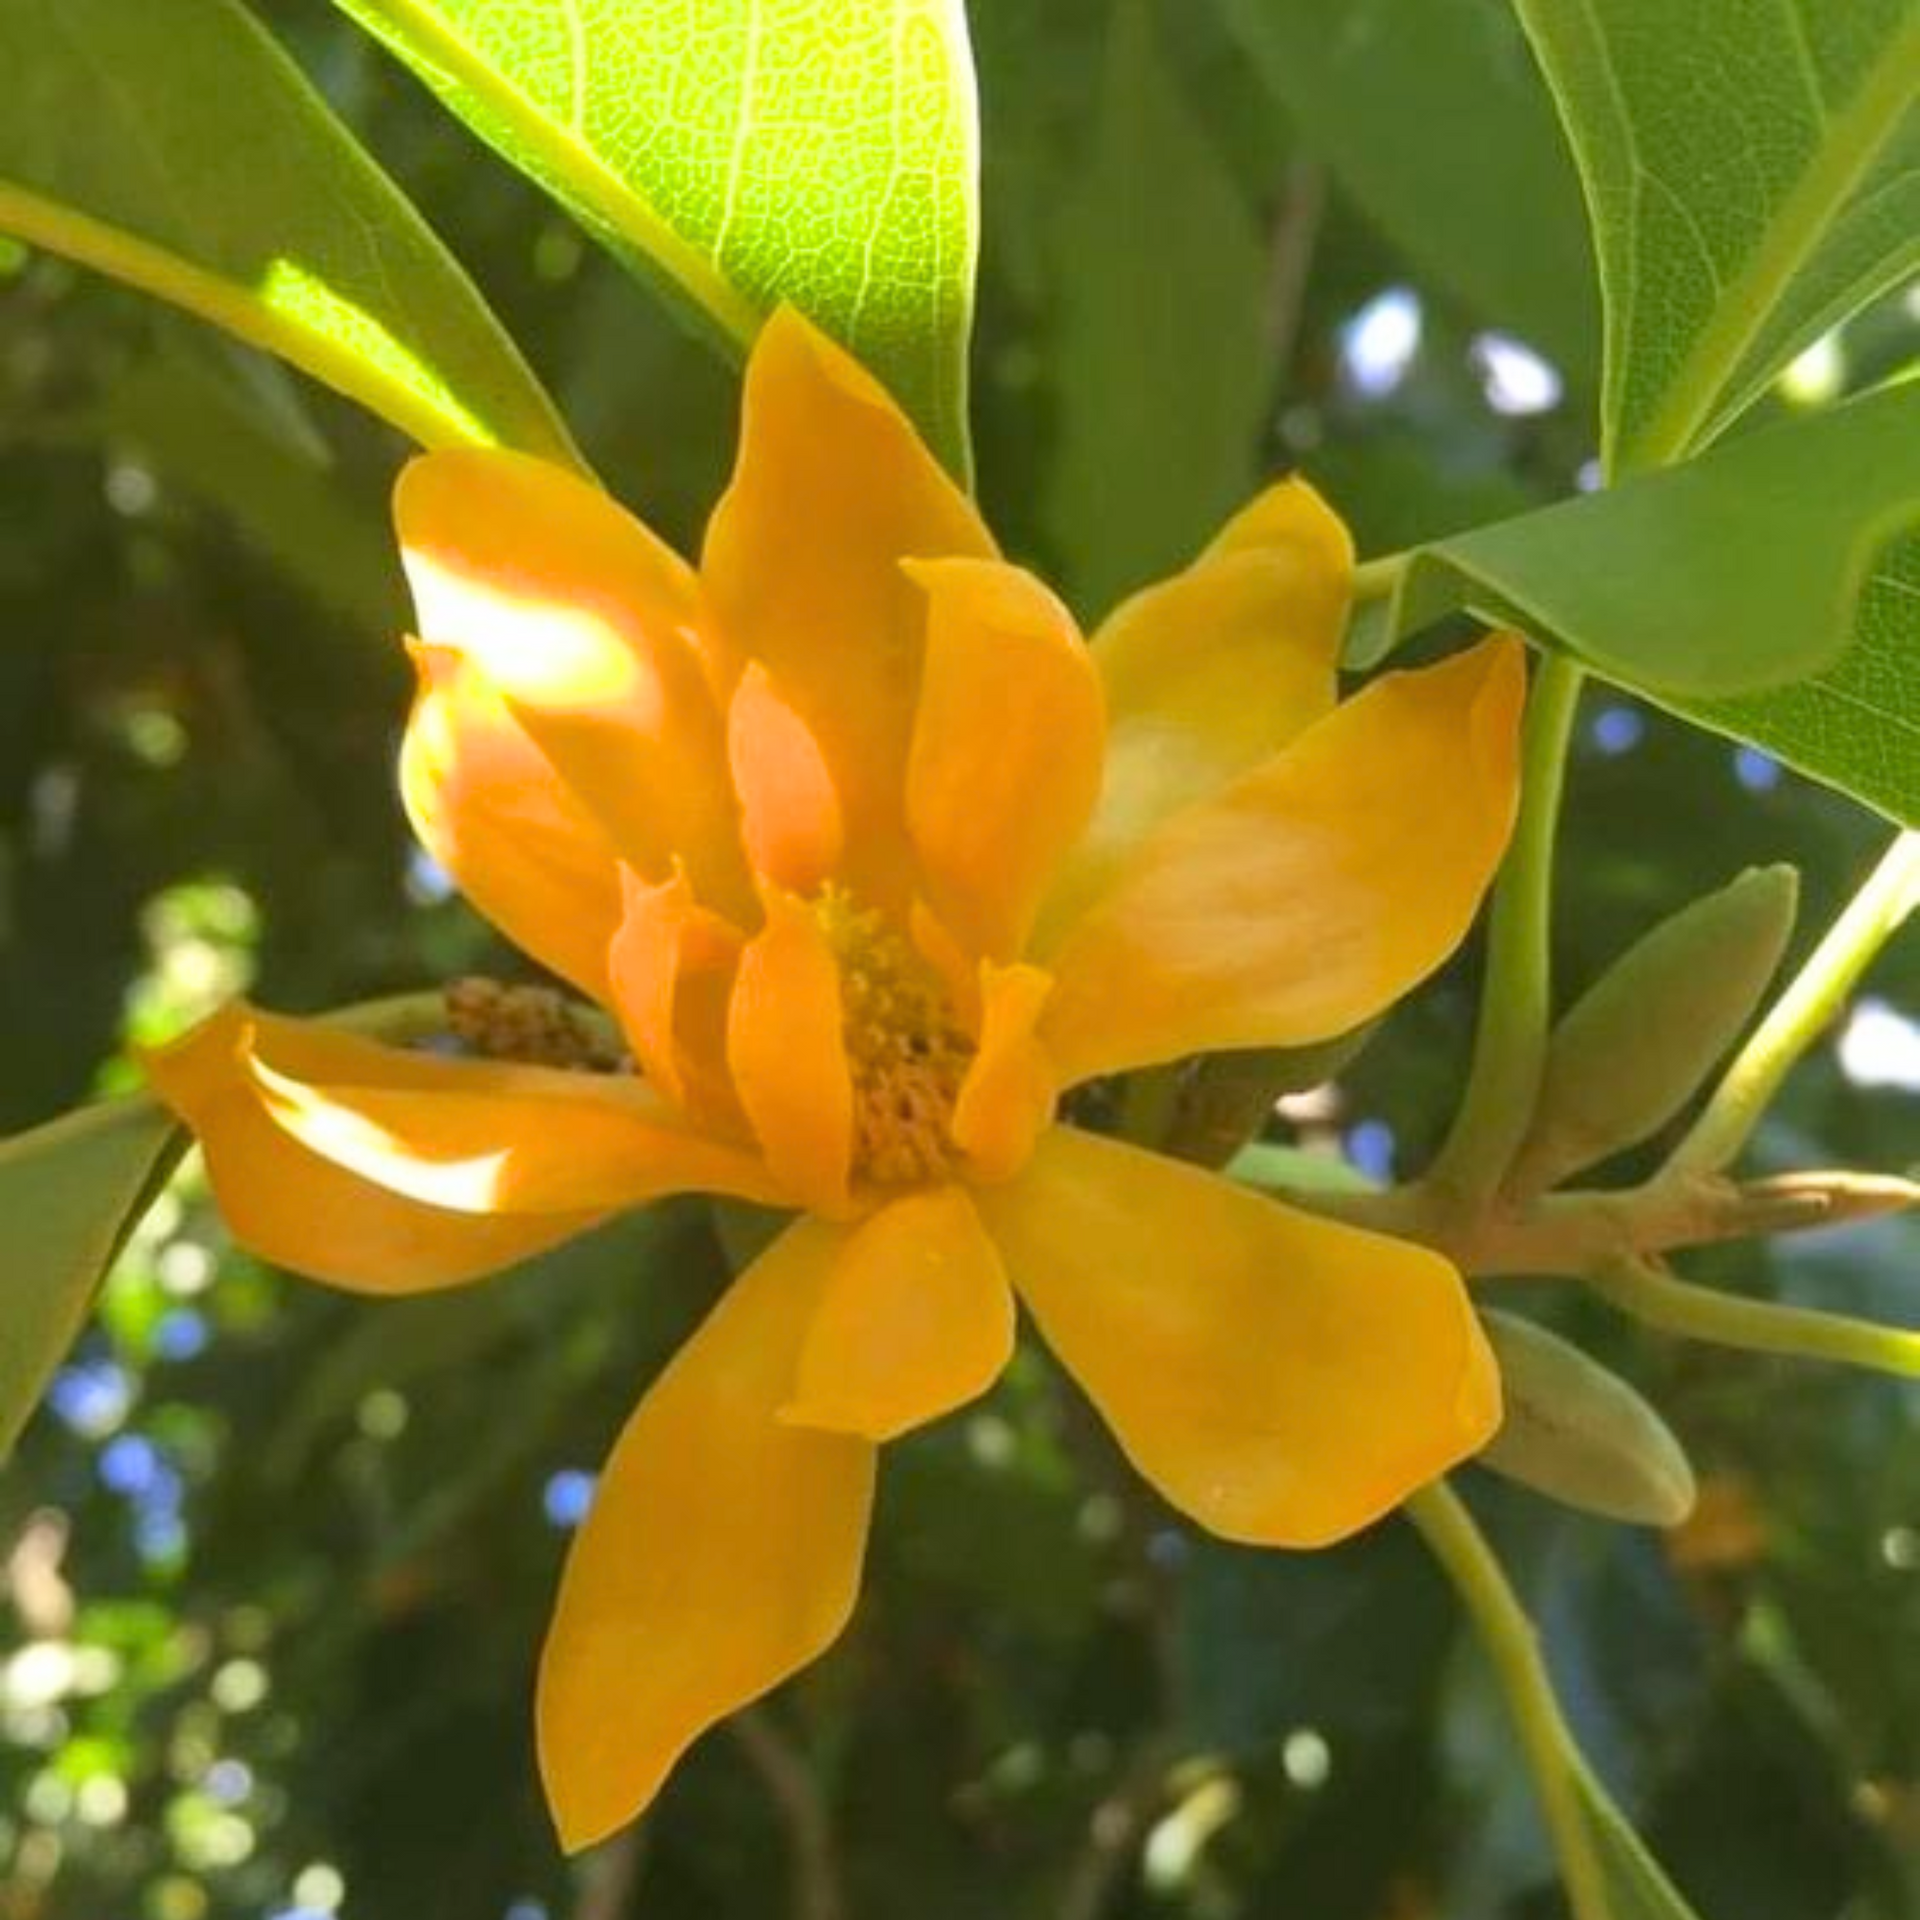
column 1435, row 119
column 70, row 1193
column 1754, row 177
column 1740, row 570
column 176, row 147
column 745, row 152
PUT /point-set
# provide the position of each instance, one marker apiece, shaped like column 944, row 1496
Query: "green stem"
column 1805, row 1010
column 1516, row 999
column 1514, row 1648
column 1755, row 1326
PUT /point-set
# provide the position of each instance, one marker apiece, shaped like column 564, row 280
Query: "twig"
column 796, row 1795
column 1114, row 1833
column 612, row 1874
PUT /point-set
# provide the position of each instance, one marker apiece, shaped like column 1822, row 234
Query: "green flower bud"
column 1579, row 1434
column 1637, row 1046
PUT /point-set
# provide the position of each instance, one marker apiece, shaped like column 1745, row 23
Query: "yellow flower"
column 870, row 856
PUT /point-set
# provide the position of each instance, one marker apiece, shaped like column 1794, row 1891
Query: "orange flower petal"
column 289, row 1205
column 593, row 631
column 1005, row 761
column 832, row 489
column 721, row 1554
column 789, row 812
column 488, row 806
column 1283, row 1379
column 1312, row 892
column 664, row 936
column 1213, row 671
column 479, row 1136
column 916, row 1319
column 1011, row 1087
column 788, row 1056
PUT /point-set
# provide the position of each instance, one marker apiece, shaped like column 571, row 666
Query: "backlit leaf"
column 1753, row 173
column 744, row 152
column 176, row 148
column 70, row 1193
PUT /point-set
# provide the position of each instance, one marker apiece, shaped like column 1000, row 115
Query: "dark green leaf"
column 70, row 1193
column 1753, row 173
column 1435, row 119
column 1162, row 364
column 1738, row 571
column 176, row 147
column 1856, row 725
column 744, row 152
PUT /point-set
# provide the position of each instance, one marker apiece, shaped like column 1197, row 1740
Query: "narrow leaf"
column 744, row 152
column 1637, row 1885
column 1164, row 366
column 1753, row 176
column 70, row 1193
column 209, row 435
column 1437, row 122
column 176, row 148
column 1739, row 571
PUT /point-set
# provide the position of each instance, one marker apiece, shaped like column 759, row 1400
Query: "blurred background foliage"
column 274, row 1565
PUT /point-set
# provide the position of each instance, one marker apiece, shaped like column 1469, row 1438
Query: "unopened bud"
column 1578, row 1433
column 1637, row 1046
column 1820, row 1199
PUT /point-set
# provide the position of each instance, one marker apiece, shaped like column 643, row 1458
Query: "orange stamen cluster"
column 907, row 1051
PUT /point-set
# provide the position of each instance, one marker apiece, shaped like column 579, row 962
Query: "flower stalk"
column 1516, row 997
column 1757, row 1326
column 1514, row 1649
column 1805, row 1010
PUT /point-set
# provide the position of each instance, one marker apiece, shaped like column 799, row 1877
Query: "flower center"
column 907, row 1051
column 532, row 1025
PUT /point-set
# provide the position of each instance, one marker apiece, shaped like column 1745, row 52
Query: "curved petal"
column 1283, row 1379
column 1011, row 1087
column 666, row 942
column 1004, row 765
column 592, row 630
column 489, row 807
column 1311, row 893
column 721, row 1554
column 789, row 812
column 832, row 489
column 1211, row 672
column 474, row 1136
column 916, row 1319
column 789, row 1057
column 286, row 1203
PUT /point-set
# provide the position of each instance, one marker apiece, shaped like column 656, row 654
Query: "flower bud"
column 1636, row 1047
column 1578, row 1433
